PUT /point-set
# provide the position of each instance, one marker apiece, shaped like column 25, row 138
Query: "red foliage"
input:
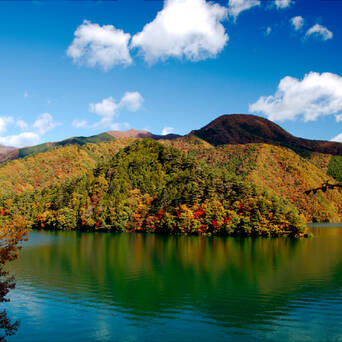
column 161, row 213
column 198, row 213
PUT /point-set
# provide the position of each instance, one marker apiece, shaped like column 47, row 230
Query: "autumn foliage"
column 12, row 231
column 152, row 187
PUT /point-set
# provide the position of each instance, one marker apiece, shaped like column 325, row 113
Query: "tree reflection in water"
column 10, row 236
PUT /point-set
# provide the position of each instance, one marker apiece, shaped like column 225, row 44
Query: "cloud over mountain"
column 314, row 96
column 108, row 109
column 31, row 134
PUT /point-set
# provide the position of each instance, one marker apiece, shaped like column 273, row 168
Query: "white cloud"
column 21, row 124
column 338, row 138
column 44, row 123
column 297, row 22
column 4, row 122
column 167, row 130
column 320, row 32
column 108, row 108
column 314, row 96
column 282, row 3
column 79, row 123
column 235, row 7
column 105, row 46
column 132, row 100
column 21, row 140
column 268, row 31
column 338, row 117
column 188, row 29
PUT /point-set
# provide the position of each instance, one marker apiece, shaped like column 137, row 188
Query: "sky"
column 79, row 68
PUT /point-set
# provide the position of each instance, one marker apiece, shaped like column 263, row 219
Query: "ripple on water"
column 150, row 288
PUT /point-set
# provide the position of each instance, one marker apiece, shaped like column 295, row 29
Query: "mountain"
column 139, row 185
column 247, row 129
column 12, row 153
column 278, row 169
column 133, row 133
column 6, row 149
column 16, row 153
column 259, row 152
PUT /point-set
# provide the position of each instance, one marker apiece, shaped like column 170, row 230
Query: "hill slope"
column 246, row 129
column 26, row 151
column 6, row 149
column 279, row 169
column 151, row 187
column 276, row 169
column 12, row 153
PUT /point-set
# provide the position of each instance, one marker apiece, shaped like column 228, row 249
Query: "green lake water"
column 132, row 287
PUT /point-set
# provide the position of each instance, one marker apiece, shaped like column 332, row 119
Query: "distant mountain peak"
column 246, row 129
column 135, row 133
column 6, row 149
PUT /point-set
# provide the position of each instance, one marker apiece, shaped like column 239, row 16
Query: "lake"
column 74, row 286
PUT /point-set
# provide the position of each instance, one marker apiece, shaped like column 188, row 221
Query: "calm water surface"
column 131, row 287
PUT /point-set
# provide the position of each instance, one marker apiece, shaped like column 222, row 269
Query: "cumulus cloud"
column 108, row 108
column 338, row 138
column 282, row 3
column 189, row 29
column 21, row 124
column 314, row 96
column 319, row 31
column 297, row 22
column 44, row 123
column 4, row 122
column 132, row 100
column 235, row 7
column 31, row 135
column 167, row 130
column 104, row 45
column 21, row 140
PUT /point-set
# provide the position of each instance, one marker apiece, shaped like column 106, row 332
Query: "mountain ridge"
column 135, row 133
column 11, row 153
column 227, row 129
column 246, row 129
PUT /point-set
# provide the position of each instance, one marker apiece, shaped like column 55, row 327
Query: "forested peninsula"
column 152, row 187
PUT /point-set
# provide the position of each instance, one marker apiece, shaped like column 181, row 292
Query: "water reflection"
column 150, row 285
column 7, row 326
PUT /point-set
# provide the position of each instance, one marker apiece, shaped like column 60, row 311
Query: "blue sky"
column 73, row 68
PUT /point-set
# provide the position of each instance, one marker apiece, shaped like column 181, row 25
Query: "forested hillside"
column 281, row 171
column 182, row 185
column 146, row 186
